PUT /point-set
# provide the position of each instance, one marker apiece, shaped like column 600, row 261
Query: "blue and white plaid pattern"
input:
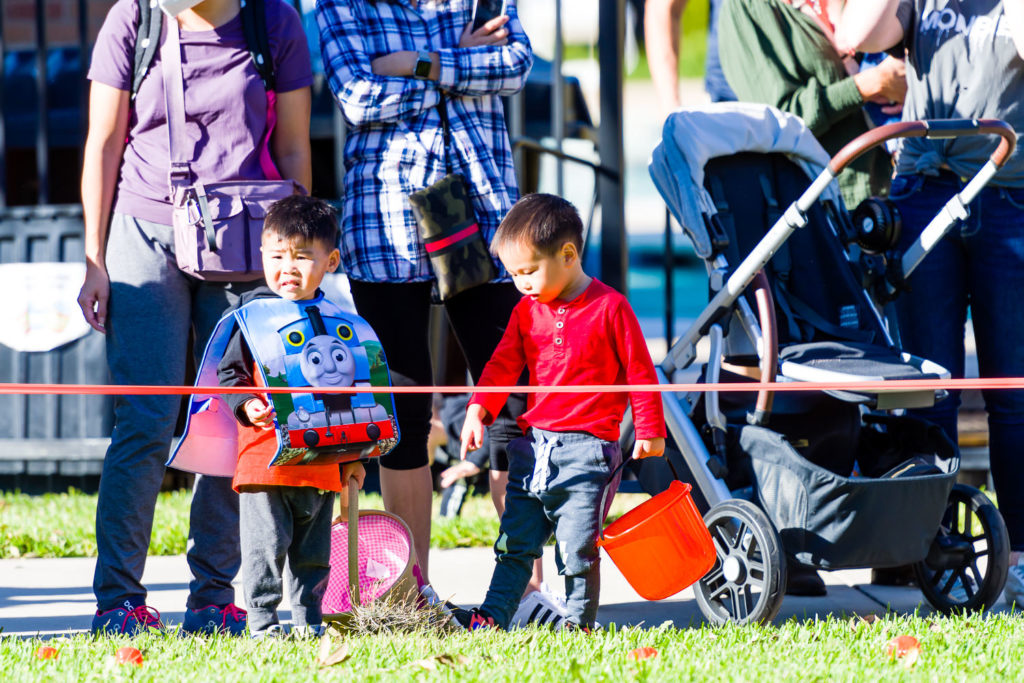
column 395, row 144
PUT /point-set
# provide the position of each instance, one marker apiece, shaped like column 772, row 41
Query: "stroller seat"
column 840, row 362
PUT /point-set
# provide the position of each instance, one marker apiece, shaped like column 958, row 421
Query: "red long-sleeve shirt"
column 593, row 339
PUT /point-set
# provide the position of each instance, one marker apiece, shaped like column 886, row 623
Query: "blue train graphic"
column 325, row 351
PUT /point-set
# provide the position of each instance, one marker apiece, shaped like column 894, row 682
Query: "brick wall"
column 19, row 21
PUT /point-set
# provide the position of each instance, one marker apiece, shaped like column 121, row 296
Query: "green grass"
column 63, row 525
column 961, row 648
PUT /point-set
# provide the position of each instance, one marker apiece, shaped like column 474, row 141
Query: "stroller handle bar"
column 956, row 208
column 934, row 129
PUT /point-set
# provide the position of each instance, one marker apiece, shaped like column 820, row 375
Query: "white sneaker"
column 273, row 631
column 541, row 607
column 1013, row 592
column 308, row 631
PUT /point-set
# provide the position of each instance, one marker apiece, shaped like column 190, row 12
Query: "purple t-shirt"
column 225, row 102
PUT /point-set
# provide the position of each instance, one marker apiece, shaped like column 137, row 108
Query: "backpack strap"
column 254, row 26
column 147, row 40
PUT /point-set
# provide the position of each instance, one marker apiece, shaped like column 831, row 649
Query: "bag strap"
column 147, row 39
column 446, row 130
column 254, row 27
column 180, row 173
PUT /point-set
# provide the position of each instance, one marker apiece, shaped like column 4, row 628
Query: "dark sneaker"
column 572, row 626
column 126, row 620
column 229, row 619
column 472, row 619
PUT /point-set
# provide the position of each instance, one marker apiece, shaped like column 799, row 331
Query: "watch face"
column 422, row 67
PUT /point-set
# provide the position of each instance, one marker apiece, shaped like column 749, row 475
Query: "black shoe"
column 472, row 619
column 805, row 581
column 894, row 576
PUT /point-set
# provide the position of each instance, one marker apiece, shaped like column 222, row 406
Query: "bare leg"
column 498, row 481
column 408, row 494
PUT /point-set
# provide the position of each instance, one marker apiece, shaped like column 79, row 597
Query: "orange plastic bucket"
column 661, row 546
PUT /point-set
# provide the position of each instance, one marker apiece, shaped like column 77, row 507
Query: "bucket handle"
column 353, row 542
column 604, row 494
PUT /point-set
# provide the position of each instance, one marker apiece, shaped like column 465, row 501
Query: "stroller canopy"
column 692, row 136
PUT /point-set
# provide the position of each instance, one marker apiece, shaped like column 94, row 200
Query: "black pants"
column 399, row 312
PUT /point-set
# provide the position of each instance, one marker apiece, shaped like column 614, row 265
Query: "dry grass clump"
column 395, row 613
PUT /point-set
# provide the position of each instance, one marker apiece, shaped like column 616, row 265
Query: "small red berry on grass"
column 128, row 655
column 47, row 652
column 901, row 646
column 643, row 653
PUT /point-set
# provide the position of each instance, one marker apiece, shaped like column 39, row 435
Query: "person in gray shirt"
column 964, row 61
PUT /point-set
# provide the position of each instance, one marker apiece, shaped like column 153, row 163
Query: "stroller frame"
column 747, row 542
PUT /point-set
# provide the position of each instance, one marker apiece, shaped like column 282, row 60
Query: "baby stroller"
column 834, row 479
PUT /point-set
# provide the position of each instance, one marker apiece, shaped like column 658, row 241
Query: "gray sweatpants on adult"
column 153, row 306
column 279, row 523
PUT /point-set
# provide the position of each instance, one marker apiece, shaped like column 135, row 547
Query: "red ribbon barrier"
column 896, row 385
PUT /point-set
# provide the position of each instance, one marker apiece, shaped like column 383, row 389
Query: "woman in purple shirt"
column 135, row 294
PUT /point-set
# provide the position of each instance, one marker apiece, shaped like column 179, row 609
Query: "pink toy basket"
column 384, row 562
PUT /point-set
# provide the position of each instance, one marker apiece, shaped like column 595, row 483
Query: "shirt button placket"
column 559, row 325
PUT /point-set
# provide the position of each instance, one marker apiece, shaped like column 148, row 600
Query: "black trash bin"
column 50, row 442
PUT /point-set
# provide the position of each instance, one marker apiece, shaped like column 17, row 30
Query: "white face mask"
column 176, row 7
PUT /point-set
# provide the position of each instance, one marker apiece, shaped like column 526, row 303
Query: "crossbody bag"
column 217, row 226
column 449, row 229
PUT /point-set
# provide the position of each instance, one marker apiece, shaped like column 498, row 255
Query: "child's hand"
column 473, row 429
column 459, row 471
column 259, row 413
column 649, row 448
column 353, row 469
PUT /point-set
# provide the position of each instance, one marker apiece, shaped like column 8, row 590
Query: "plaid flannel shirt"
column 395, row 143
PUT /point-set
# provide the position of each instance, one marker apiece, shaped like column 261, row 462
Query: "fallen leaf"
column 47, row 652
column 449, row 660
column 128, row 655
column 856, row 621
column 903, row 646
column 330, row 658
column 427, row 663
column 643, row 653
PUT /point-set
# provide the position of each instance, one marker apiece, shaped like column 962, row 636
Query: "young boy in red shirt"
column 568, row 329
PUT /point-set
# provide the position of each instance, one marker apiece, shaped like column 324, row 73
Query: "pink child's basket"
column 384, row 562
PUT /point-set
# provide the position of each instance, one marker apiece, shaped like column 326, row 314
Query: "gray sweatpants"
column 153, row 305
column 279, row 523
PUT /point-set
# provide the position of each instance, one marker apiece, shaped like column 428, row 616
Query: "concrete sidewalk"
column 39, row 596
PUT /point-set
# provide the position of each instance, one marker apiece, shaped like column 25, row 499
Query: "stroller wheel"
column 966, row 566
column 747, row 582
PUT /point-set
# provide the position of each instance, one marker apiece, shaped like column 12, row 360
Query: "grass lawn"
column 965, row 648
column 63, row 525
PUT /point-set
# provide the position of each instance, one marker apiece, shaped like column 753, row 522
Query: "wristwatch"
column 423, row 65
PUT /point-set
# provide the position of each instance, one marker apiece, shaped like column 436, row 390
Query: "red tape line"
column 897, row 385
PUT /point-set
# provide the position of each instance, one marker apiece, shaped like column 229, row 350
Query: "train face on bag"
column 324, row 351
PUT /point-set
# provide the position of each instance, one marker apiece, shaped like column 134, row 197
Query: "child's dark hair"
column 300, row 216
column 544, row 221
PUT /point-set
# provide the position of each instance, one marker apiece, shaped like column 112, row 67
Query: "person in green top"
column 784, row 55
